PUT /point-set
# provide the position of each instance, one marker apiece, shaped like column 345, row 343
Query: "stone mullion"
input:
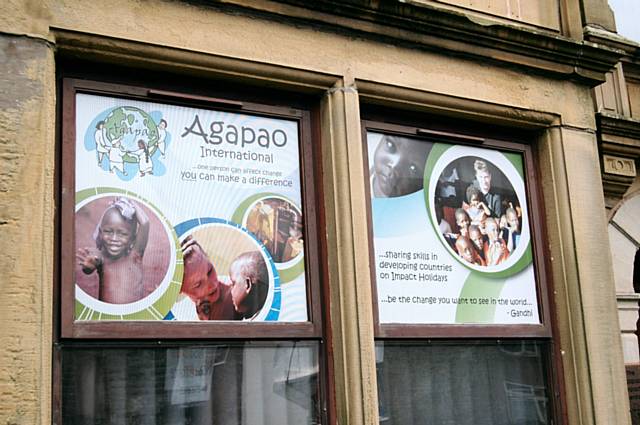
column 348, row 260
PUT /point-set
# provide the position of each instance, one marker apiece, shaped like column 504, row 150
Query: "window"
column 189, row 285
column 463, row 330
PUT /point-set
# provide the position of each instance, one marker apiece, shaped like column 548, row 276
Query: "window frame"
column 445, row 129
column 213, row 100
column 242, row 95
column 534, row 201
column 387, row 120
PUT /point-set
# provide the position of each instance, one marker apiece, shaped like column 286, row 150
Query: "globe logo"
column 130, row 125
column 129, row 135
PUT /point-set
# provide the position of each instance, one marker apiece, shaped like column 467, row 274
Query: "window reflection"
column 464, row 384
column 218, row 384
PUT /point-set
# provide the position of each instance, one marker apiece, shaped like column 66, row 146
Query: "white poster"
column 186, row 214
column 451, row 234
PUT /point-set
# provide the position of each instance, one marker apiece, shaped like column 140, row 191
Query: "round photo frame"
column 439, row 159
column 291, row 269
column 270, row 311
column 158, row 303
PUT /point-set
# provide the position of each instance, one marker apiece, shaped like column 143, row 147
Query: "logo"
column 129, row 142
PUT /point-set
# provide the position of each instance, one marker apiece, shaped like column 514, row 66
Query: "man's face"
column 116, row 234
column 399, row 166
column 484, row 180
column 240, row 289
column 200, row 280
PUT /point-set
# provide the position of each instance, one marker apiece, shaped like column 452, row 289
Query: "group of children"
column 115, row 152
column 481, row 238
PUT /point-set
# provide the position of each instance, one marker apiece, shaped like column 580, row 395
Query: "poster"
column 186, row 214
column 452, row 241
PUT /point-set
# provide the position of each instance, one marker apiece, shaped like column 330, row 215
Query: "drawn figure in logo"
column 200, row 283
column 162, row 135
column 121, row 238
column 249, row 283
column 101, row 144
column 144, row 158
column 398, row 166
column 116, row 154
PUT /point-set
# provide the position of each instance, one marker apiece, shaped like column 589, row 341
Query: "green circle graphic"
column 286, row 274
column 526, row 257
column 159, row 309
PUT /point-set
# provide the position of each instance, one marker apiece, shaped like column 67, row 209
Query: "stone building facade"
column 553, row 72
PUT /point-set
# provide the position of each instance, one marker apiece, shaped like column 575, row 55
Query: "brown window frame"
column 534, row 201
column 114, row 330
column 450, row 130
column 244, row 96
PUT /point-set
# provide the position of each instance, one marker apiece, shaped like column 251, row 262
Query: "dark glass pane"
column 250, row 383
column 462, row 384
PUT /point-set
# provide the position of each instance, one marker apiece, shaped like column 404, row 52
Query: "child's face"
column 462, row 220
column 491, row 229
column 503, row 221
column 200, row 281
column 463, row 245
column 476, row 237
column 512, row 219
column 399, row 165
column 141, row 144
column 475, row 200
column 116, row 234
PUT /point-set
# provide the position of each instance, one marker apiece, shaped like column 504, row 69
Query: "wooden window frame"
column 122, row 330
column 403, row 123
column 242, row 96
column 535, row 208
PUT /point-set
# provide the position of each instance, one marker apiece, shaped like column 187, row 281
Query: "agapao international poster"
column 186, row 214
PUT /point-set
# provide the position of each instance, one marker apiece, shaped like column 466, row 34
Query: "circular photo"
column 123, row 250
column 227, row 275
column 277, row 224
column 478, row 208
column 396, row 164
